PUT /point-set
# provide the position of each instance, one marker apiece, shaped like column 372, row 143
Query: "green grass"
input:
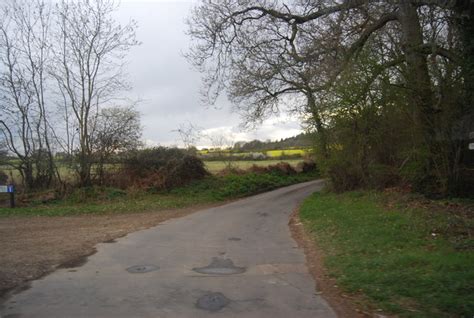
column 109, row 200
column 235, row 186
column 216, row 166
column 391, row 255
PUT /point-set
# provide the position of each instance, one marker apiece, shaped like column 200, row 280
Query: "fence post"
column 11, row 190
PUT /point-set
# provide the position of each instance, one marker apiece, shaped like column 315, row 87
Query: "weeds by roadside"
column 403, row 260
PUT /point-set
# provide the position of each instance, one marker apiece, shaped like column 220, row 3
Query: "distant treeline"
column 303, row 140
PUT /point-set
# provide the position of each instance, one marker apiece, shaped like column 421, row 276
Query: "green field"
column 216, row 166
column 409, row 261
column 66, row 173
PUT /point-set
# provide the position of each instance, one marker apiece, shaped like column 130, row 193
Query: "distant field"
column 212, row 166
column 66, row 173
column 268, row 153
column 216, row 166
column 287, row 152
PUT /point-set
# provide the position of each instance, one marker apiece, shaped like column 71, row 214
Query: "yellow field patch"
column 286, row 152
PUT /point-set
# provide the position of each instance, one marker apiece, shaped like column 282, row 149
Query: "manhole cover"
column 137, row 269
column 220, row 266
column 212, row 302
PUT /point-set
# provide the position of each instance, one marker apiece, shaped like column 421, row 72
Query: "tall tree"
column 25, row 52
column 90, row 51
column 269, row 51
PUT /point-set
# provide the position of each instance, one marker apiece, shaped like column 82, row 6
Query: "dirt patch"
column 31, row 247
column 344, row 305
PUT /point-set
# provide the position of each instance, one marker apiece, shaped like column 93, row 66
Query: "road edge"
column 344, row 305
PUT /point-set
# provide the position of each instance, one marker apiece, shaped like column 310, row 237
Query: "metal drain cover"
column 137, row 269
column 220, row 266
column 212, row 302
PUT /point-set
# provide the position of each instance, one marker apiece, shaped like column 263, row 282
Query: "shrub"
column 178, row 172
column 414, row 172
column 257, row 169
column 231, row 170
column 343, row 175
column 382, row 176
column 282, row 168
column 306, row 166
column 142, row 162
column 160, row 169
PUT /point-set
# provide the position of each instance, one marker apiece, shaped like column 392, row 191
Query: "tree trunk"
column 321, row 137
column 419, row 84
column 85, row 169
column 26, row 170
column 462, row 181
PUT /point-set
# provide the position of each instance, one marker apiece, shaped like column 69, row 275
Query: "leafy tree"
column 269, row 54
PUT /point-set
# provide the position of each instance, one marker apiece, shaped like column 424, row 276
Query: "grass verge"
column 403, row 260
column 109, row 200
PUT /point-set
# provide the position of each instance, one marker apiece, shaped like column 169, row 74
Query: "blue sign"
column 7, row 189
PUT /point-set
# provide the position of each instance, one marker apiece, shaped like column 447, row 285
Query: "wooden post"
column 10, row 189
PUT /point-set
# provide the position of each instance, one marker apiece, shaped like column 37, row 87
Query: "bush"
column 231, row 170
column 382, row 176
column 142, row 162
column 414, row 172
column 282, row 168
column 178, row 172
column 306, row 166
column 160, row 169
column 257, row 169
column 239, row 185
column 343, row 175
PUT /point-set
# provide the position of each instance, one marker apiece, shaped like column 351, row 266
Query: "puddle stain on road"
column 212, row 302
column 220, row 266
column 139, row 269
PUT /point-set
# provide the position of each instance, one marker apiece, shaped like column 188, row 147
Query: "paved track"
column 236, row 260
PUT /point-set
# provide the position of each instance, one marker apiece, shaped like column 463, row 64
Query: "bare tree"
column 90, row 51
column 117, row 129
column 189, row 134
column 24, row 120
column 222, row 145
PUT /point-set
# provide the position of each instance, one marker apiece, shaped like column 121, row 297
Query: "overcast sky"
column 169, row 87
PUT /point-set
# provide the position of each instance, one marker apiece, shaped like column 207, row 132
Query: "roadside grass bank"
column 212, row 189
column 401, row 254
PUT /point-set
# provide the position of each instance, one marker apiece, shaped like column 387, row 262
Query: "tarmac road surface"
column 236, row 260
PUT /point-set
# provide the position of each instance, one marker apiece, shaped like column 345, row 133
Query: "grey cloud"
column 169, row 88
